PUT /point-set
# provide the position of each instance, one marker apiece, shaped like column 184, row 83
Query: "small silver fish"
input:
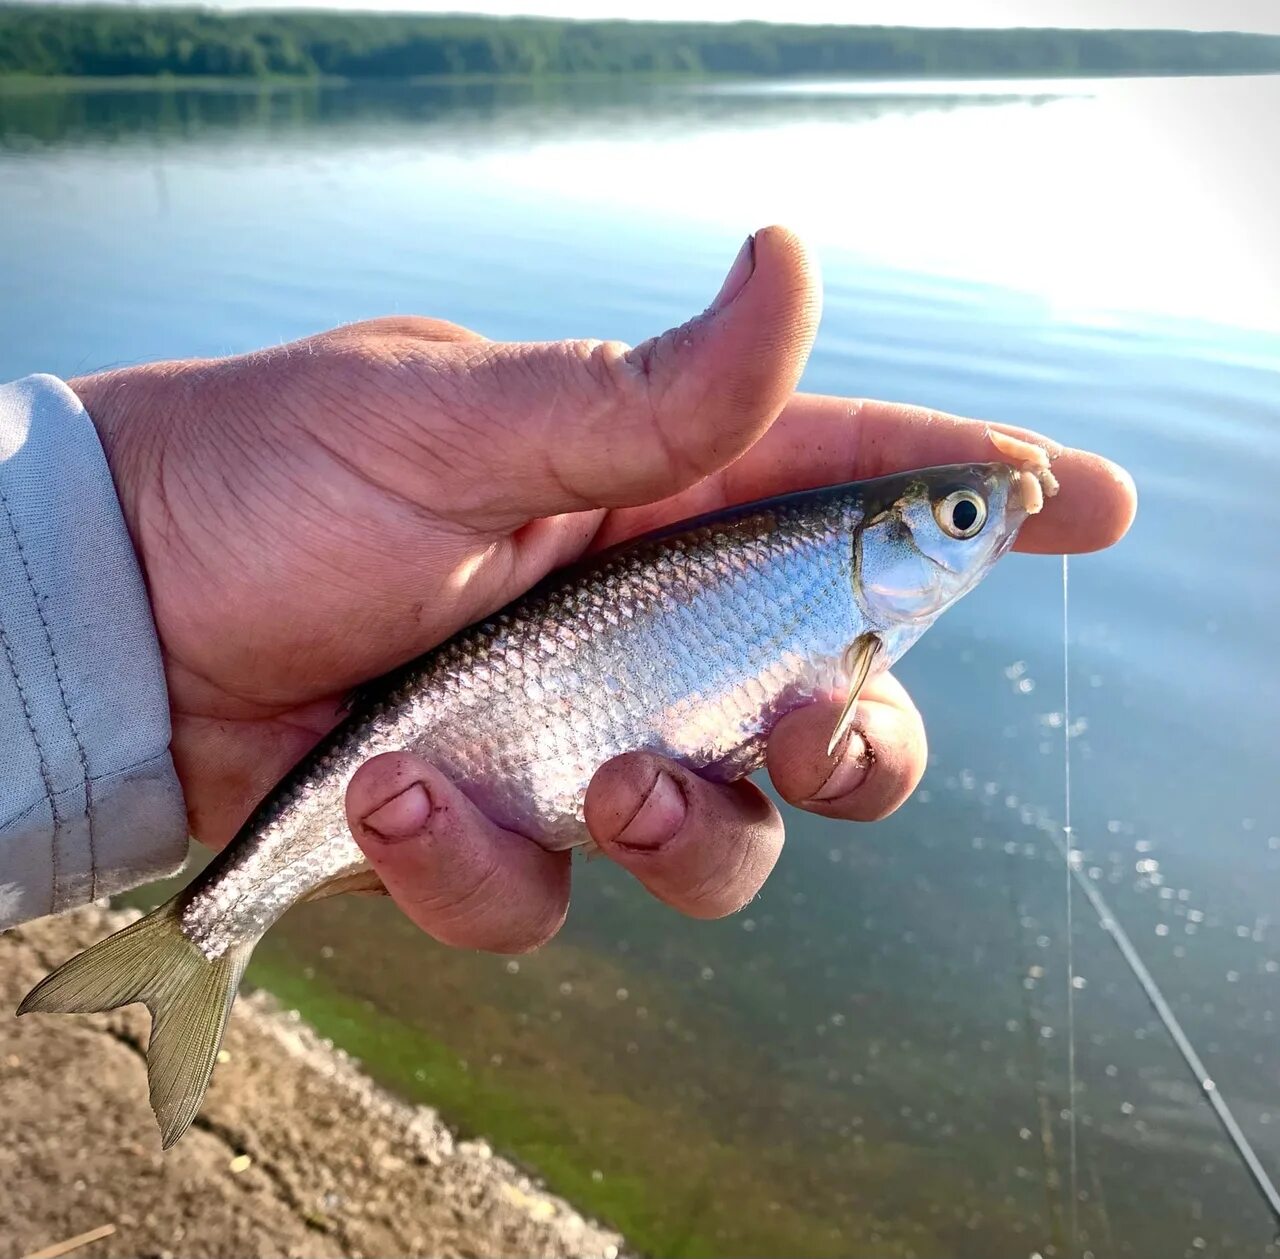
column 691, row 642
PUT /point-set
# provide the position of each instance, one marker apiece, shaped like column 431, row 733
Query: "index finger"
column 820, row 440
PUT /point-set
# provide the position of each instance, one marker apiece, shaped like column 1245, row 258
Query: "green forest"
column 118, row 41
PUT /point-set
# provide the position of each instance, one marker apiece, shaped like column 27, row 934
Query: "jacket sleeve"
column 89, row 801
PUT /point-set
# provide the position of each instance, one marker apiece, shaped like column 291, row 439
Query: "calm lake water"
column 871, row 1059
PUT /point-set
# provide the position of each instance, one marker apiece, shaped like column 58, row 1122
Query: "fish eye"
column 961, row 514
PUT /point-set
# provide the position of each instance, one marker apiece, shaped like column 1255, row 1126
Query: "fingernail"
column 659, row 817
column 405, row 814
column 743, row 265
column 852, row 763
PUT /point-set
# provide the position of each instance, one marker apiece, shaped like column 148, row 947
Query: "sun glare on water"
column 1149, row 196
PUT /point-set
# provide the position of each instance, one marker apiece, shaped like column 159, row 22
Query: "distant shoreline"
column 82, row 42
column 13, row 84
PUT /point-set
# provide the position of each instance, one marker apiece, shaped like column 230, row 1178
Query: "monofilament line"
column 1069, row 844
column 1076, row 876
column 1204, row 1081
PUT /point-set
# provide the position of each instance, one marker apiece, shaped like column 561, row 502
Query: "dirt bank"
column 295, row 1153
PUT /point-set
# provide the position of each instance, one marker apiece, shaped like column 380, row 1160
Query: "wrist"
column 90, row 803
column 132, row 408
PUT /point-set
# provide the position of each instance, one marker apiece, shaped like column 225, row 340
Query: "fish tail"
column 188, row 994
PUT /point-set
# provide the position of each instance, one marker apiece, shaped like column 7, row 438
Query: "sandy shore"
column 295, row 1153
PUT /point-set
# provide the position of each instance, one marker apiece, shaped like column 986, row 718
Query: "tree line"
column 115, row 41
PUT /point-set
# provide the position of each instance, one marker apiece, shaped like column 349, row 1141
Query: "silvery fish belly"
column 692, row 643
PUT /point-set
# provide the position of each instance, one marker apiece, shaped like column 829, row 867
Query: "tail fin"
column 189, row 996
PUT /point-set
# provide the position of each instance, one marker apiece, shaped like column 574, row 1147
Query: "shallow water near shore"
column 870, row 1060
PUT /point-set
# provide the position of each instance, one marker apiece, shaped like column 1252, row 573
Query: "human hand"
column 309, row 516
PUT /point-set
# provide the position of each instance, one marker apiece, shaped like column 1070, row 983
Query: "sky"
column 1246, row 15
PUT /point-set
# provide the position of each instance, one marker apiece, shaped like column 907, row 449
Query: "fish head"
column 928, row 537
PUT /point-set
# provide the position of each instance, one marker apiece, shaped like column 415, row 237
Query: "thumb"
column 600, row 424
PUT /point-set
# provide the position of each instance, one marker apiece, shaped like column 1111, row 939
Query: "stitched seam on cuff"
column 66, row 712
column 55, row 890
column 143, row 768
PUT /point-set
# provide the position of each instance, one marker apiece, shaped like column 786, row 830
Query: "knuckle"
column 534, row 933
column 459, row 899
column 613, row 366
column 881, row 809
column 477, row 911
column 725, row 888
column 888, row 795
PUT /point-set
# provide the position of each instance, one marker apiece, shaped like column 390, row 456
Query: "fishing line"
column 1077, row 877
column 1033, row 1031
column 1204, row 1081
column 1072, row 1158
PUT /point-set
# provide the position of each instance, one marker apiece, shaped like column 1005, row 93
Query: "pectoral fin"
column 858, row 659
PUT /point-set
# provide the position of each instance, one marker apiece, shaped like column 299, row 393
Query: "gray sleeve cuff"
column 89, row 801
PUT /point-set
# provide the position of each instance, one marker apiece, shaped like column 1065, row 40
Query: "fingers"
column 600, row 424
column 878, row 767
column 453, row 872
column 822, row 440
column 704, row 848
column 1093, row 508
